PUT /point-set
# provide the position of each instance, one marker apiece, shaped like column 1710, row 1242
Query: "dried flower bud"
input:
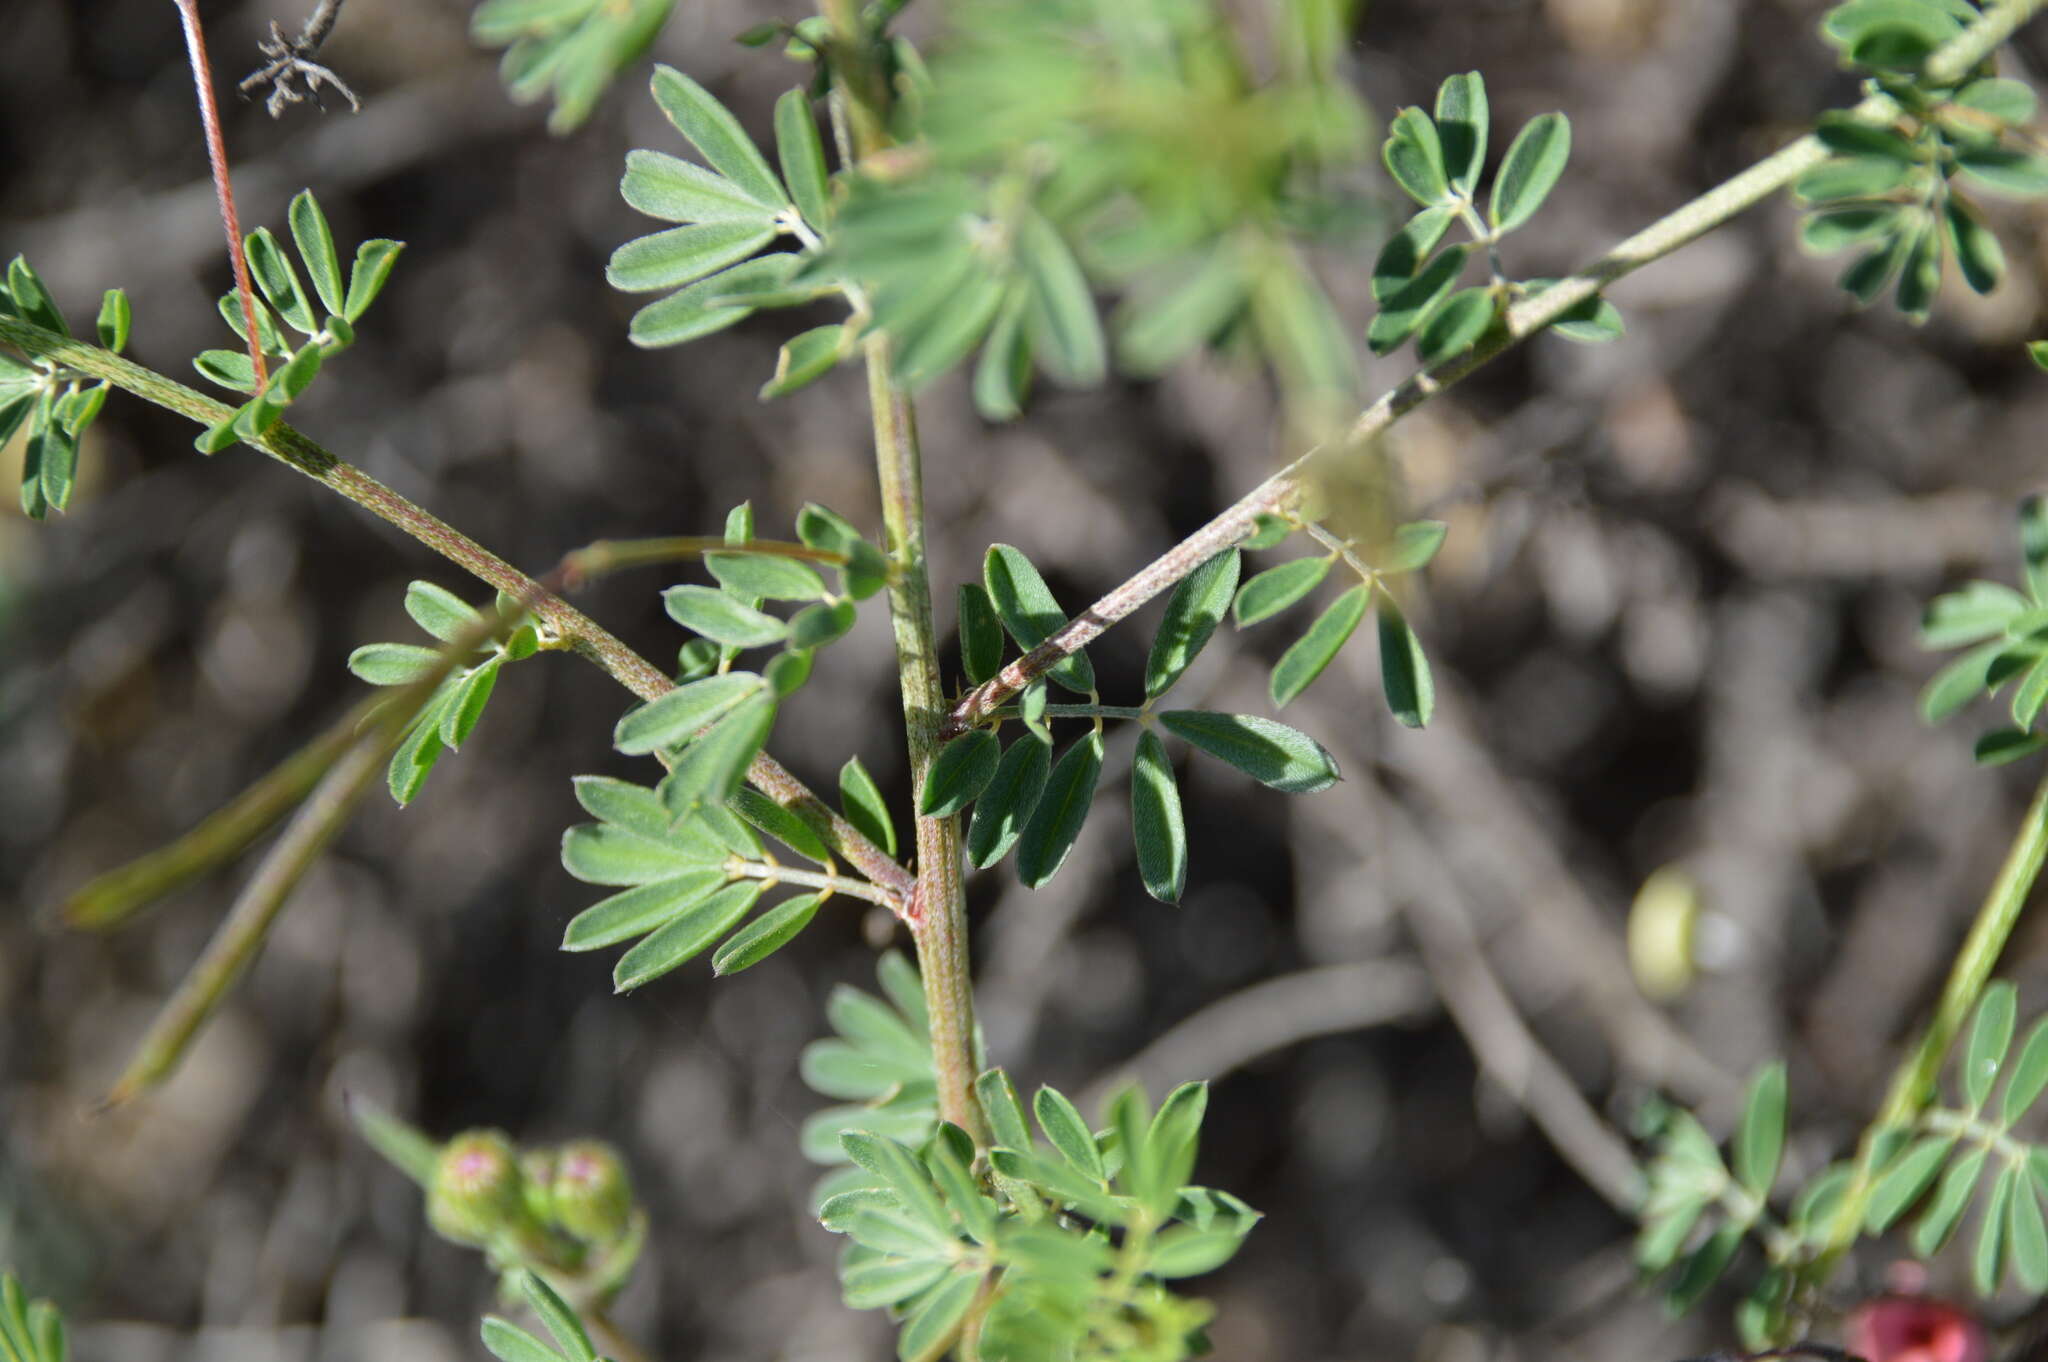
column 593, row 1199
column 478, row 1190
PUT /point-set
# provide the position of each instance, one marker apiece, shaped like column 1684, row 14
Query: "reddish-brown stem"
column 223, row 190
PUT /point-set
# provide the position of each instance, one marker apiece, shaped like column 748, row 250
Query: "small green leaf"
column 391, row 664
column 1402, row 258
column 1530, row 170
column 1270, row 531
column 682, row 255
column 1008, row 801
column 510, row 1343
column 1413, row 547
column 1192, row 614
column 1005, row 1112
column 116, row 318
column 1031, row 614
column 228, row 368
column 1414, row 156
column 981, row 634
column 1987, row 1264
column 1405, row 309
column 805, row 358
column 608, row 854
column 788, row 670
column 315, row 241
column 673, row 719
column 864, row 806
column 814, row 626
column 713, row 302
column 554, row 1312
column 962, row 769
column 472, row 693
column 1404, row 668
column 367, row 276
column 1920, row 275
column 1904, row 1181
column 440, row 611
column 1593, row 322
column 674, row 190
column 802, row 154
column 710, row 769
column 1456, row 326
column 717, row 135
column 1275, row 589
column 1156, row 823
column 1461, row 122
column 718, row 617
column 1002, row 376
column 686, row 936
column 766, row 575
column 902, row 1175
column 875, row 1283
column 2020, row 174
column 937, row 1317
column 2006, row 745
column 1990, row 1037
column 1187, row 309
column 1304, row 661
column 1951, row 1197
column 2027, row 1235
column 766, row 934
column 1061, row 810
column 780, row 823
column 414, row 760
column 635, row 808
column 1703, row 1267
column 639, row 910
column 948, row 1167
column 31, row 298
column 1978, row 254
column 1183, row 1251
column 1065, row 331
column 2028, row 1076
column 1271, row 753
column 1827, row 232
column 1062, row 1124
column 1760, row 1137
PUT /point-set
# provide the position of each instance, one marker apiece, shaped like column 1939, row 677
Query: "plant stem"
column 938, row 915
column 1522, row 320
column 585, row 635
column 223, row 189
column 1913, row 1085
column 113, row 899
column 240, row 937
column 808, row 879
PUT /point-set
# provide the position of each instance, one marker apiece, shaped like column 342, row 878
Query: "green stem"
column 584, row 634
column 809, row 879
column 938, row 917
column 113, row 899
column 938, row 910
column 1913, row 1085
column 1524, row 319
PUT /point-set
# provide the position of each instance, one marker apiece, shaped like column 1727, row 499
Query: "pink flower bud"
column 1914, row 1329
column 593, row 1199
column 477, row 1190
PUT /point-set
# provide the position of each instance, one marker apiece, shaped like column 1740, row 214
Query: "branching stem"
column 584, row 634
column 1524, row 319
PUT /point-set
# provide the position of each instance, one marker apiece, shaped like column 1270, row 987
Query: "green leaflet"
column 1008, row 801
column 1277, row 588
column 1028, row 610
column 639, row 910
column 1404, row 669
column 1062, row 808
column 961, row 770
column 1156, row 823
column 1192, row 614
column 1271, row 753
column 686, row 936
column 1530, row 170
column 675, row 718
column 766, row 934
column 1305, row 660
column 717, row 135
column 862, row 802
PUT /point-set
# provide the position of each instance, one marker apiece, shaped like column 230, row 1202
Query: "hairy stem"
column 938, row 917
column 1913, row 1085
column 223, row 188
column 1522, row 320
column 585, row 635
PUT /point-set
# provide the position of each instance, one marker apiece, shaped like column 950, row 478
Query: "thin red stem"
column 223, row 190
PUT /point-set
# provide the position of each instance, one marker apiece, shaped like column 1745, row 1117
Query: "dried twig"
column 291, row 61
